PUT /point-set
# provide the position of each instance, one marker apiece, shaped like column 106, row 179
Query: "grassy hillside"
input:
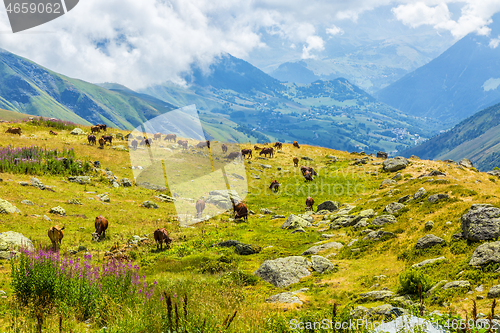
column 218, row 281
column 11, row 115
column 476, row 138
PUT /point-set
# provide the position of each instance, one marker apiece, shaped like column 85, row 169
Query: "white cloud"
column 334, row 30
column 313, row 43
column 494, row 42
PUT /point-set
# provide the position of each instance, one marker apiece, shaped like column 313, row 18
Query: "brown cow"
column 157, row 136
column 13, row 130
column 307, row 176
column 247, row 152
column 161, row 235
column 266, row 151
column 240, row 209
column 101, row 224
column 275, row 186
column 296, row 144
column 200, row 207
column 95, row 129
column 172, row 137
column 309, row 203
column 233, row 155
column 92, row 139
column 134, row 144
column 52, row 132
column 108, row 138
column 303, row 169
column 224, row 148
column 102, row 126
column 257, row 147
column 183, row 143
column 295, row 161
column 56, row 235
column 101, row 143
column 203, row 144
column 278, row 145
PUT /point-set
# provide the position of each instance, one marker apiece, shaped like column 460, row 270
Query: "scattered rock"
column 274, row 217
column 395, row 164
column 119, row 147
column 384, row 219
column 104, row 197
column 428, row 225
column 240, row 248
column 378, row 235
column 329, row 205
column 293, row 222
column 393, row 207
column 46, row 218
column 434, row 288
column 283, row 272
column 397, row 177
column 75, row 202
column 58, row 211
column 376, row 295
column 24, row 183
column 265, row 211
column 404, row 199
column 429, row 262
column 387, row 182
column 486, row 253
column 288, row 297
column 420, row 193
column 37, row 183
column 494, row 292
column 457, row 284
column 481, row 222
column 306, row 158
column 437, row 197
column 165, row 198
column 466, row 163
column 77, row 131
column 323, row 247
column 126, row 182
column 27, row 202
column 265, row 166
column 80, row 179
column 149, row 204
column 11, row 243
column 429, row 241
column 321, row 264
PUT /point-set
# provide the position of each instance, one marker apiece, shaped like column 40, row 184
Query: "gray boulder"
column 384, row 219
column 437, row 197
column 58, row 211
column 393, row 207
column 376, row 295
column 165, row 198
column 27, row 202
column 7, row 208
column 420, row 193
column 104, row 197
column 149, row 204
column 481, row 222
column 77, row 131
column 294, row 222
column 404, row 198
column 494, row 173
column 322, row 247
column 429, row 225
column 429, row 241
column 429, row 262
column 486, row 253
column 80, row 179
column 457, row 284
column 283, row 272
column 321, row 264
column 240, row 248
column 75, row 202
column 328, row 205
column 494, row 292
column 126, row 182
column 466, row 163
column 265, row 211
column 37, row 183
column 378, row 235
column 289, row 297
column 395, row 164
column 11, row 243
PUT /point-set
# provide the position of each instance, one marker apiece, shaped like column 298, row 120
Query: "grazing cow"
column 200, row 207
column 108, row 138
column 303, row 169
column 257, row 147
column 295, row 162
column 161, row 235
column 309, row 203
column 134, row 144
column 224, row 148
column 203, row 144
column 278, row 145
column 382, row 154
column 13, row 130
column 103, row 127
column 233, row 155
column 101, row 143
column 240, row 209
column 101, row 224
column 171, row 137
column 95, row 129
column 266, row 151
column 296, row 144
column 307, row 176
column 183, row 143
column 157, row 136
column 56, row 235
column 52, row 132
column 248, row 152
column 92, row 139
column 145, row 142
column 275, row 186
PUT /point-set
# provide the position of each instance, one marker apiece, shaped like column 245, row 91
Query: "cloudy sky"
column 140, row 43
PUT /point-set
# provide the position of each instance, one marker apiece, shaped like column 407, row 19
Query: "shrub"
column 53, row 123
column 458, row 247
column 410, row 279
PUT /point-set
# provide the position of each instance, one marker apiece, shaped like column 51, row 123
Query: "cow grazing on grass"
column 296, row 144
column 275, row 186
column 102, row 127
column 161, row 235
column 257, row 147
column 101, row 224
column 171, row 137
column 145, row 142
column 248, row 152
column 95, row 129
column 101, row 143
column 267, row 151
column 240, row 210
column 157, row 136
column 233, row 155
column 309, row 203
column 224, row 148
column 308, row 177
column 14, row 130
column 295, row 162
column 134, row 144
column 52, row 132
column 303, row 169
column 108, row 138
column 278, row 145
column 92, row 139
column 56, row 235
column 200, row 207
column 183, row 143
column 203, row 144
